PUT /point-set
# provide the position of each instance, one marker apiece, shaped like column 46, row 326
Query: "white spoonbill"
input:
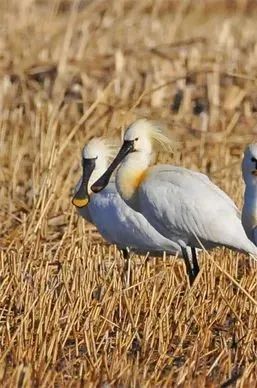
column 115, row 221
column 249, row 212
column 183, row 205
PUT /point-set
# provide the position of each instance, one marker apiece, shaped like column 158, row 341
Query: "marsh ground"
column 70, row 70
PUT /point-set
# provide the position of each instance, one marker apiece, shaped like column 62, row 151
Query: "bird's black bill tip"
column 80, row 202
column 97, row 188
column 101, row 183
column 81, row 198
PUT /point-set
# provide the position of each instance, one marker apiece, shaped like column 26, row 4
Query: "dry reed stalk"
column 70, row 70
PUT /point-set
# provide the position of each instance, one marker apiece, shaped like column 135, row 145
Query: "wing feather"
column 186, row 205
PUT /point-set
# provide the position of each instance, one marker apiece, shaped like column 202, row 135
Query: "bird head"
column 143, row 136
column 95, row 158
column 249, row 164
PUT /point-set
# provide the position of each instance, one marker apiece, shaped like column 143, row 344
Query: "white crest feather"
column 100, row 147
column 156, row 131
column 161, row 137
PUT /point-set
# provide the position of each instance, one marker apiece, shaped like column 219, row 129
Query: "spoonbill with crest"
column 117, row 222
column 183, row 205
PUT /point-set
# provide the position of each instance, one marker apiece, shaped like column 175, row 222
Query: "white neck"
column 249, row 212
column 100, row 168
column 130, row 175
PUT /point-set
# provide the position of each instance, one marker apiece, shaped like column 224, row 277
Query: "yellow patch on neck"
column 130, row 181
column 138, row 178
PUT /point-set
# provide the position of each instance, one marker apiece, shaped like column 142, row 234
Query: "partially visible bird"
column 114, row 219
column 249, row 212
column 183, row 205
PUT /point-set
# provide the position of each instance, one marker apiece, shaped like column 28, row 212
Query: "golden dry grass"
column 73, row 69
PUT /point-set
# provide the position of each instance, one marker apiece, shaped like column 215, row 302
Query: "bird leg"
column 189, row 266
column 126, row 253
column 196, row 268
column 127, row 267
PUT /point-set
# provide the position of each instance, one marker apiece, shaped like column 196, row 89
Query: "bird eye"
column 136, row 139
column 253, row 159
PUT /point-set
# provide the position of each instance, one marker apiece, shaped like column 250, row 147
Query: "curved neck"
column 130, row 175
column 100, row 168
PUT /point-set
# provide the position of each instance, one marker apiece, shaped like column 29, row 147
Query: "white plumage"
column 183, row 205
column 115, row 221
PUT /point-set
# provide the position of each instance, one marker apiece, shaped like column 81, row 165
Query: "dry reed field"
column 70, row 70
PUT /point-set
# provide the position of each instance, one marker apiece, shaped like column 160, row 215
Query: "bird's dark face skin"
column 102, row 182
column 254, row 171
column 82, row 198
